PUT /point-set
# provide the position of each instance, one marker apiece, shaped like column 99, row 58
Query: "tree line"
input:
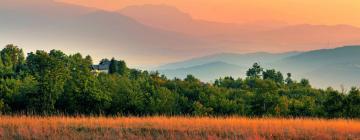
column 51, row 83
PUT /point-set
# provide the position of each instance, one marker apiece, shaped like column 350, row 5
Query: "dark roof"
column 102, row 66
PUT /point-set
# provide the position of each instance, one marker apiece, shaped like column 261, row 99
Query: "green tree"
column 288, row 79
column 1, row 64
column 118, row 67
column 113, row 66
column 54, row 82
column 89, row 60
column 265, row 104
column 305, row 83
column 82, row 88
column 50, row 71
column 273, row 75
column 229, row 82
column 334, row 104
column 12, row 58
column 303, row 107
column 255, row 71
column 201, row 110
column 162, row 101
column 9, row 89
column 353, row 103
column 1, row 106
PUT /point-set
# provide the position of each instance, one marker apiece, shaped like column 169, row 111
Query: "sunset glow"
column 180, row 69
column 325, row 12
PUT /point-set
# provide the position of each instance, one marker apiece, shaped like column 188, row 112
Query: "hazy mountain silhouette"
column 244, row 60
column 156, row 34
column 206, row 72
column 325, row 67
column 40, row 8
column 171, row 18
column 40, row 24
column 270, row 36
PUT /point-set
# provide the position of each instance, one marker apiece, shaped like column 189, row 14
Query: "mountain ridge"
column 269, row 36
column 324, row 67
column 223, row 57
column 202, row 71
column 117, row 35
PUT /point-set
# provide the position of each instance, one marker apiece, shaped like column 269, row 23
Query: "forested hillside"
column 48, row 83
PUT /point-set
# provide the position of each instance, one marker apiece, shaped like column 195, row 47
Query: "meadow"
column 61, row 127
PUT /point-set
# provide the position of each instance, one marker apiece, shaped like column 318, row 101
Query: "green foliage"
column 11, row 60
column 229, row 82
column 50, row 83
column 288, row 79
column 273, row 75
column 12, row 56
column 82, row 88
column 353, row 103
column 201, row 110
column 1, row 106
column 51, row 72
column 334, row 104
column 255, row 71
column 118, row 67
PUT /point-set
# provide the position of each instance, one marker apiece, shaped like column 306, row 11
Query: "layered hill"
column 268, row 36
column 325, row 67
column 42, row 23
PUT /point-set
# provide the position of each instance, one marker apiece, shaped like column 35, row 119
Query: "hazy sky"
column 328, row 12
column 38, row 24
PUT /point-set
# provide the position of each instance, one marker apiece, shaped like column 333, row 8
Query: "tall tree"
column 288, row 79
column 50, row 71
column 12, row 58
column 255, row 71
column 89, row 60
column 353, row 103
column 273, row 75
column 113, row 66
column 334, row 104
column 81, row 89
column 122, row 68
column 305, row 83
column 118, row 67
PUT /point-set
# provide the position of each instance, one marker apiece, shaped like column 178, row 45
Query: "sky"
column 38, row 24
column 323, row 12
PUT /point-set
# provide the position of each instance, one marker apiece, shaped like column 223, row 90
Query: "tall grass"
column 25, row 127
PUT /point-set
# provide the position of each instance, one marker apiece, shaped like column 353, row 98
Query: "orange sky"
column 327, row 12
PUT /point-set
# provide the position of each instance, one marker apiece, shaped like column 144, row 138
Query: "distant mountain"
column 320, row 58
column 33, row 9
column 336, row 75
column 157, row 34
column 269, row 36
column 170, row 18
column 42, row 23
column 207, row 72
column 244, row 60
column 325, row 67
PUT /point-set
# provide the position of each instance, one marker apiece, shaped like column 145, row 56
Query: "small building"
column 103, row 67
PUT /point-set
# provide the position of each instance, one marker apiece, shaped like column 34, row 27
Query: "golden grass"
column 23, row 127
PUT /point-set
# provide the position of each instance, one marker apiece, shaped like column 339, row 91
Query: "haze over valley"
column 180, row 69
column 163, row 37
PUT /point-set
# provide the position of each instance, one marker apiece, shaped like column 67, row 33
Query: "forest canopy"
column 51, row 83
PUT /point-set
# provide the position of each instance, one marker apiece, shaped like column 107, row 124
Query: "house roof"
column 102, row 66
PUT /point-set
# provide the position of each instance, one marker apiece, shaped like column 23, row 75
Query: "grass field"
column 23, row 127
